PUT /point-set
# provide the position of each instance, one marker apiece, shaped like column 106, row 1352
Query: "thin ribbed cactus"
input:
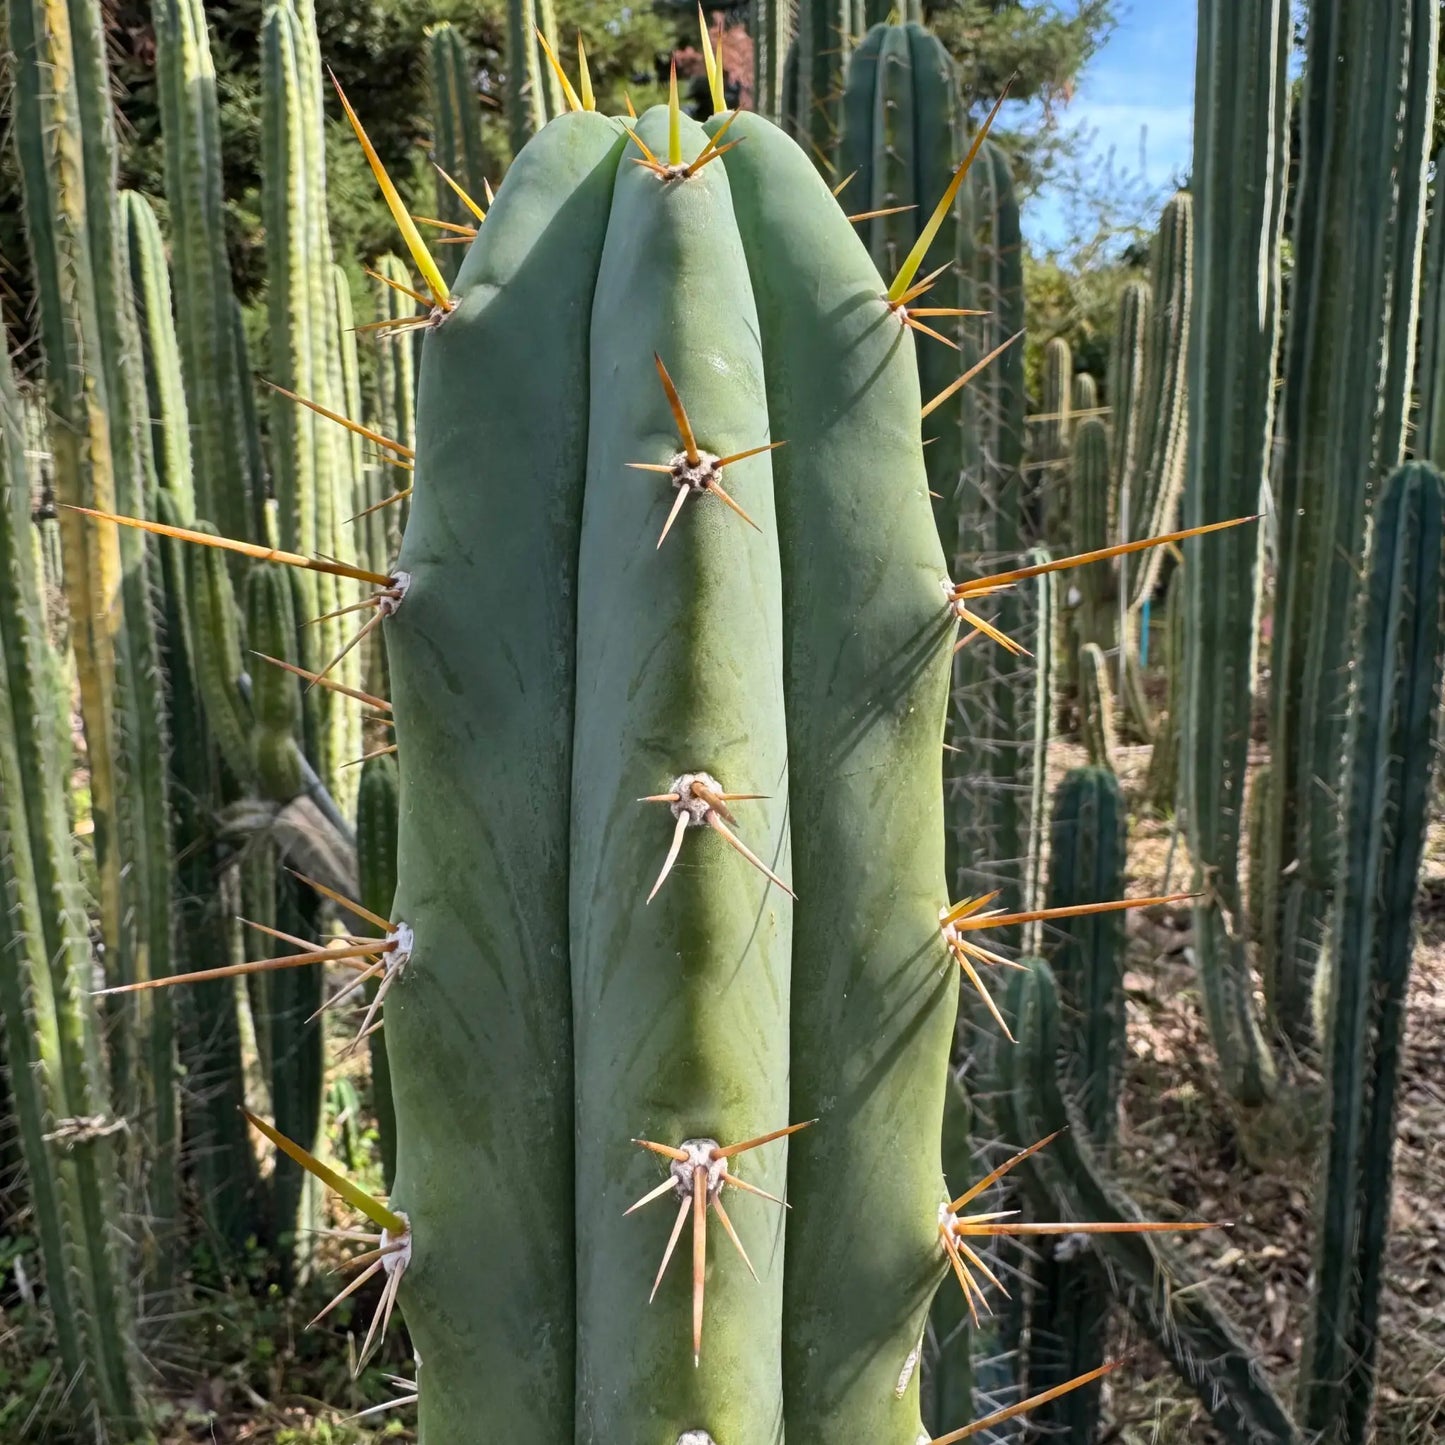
column 1097, row 728
column 1146, row 1275
column 1069, row 1311
column 1052, row 438
column 377, row 820
column 533, row 95
column 993, row 688
column 216, row 1146
column 1085, row 394
column 1348, row 374
column 1429, row 442
column 1240, row 147
column 49, row 142
column 456, row 121
column 1389, row 759
column 314, row 460
column 1154, row 487
column 1163, row 783
column 811, row 99
column 217, row 376
column 51, row 1032
column 96, row 389
column 784, row 78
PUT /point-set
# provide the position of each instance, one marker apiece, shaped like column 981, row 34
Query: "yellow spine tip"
column 674, row 119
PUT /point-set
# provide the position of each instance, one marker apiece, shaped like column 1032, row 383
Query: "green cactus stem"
column 1389, row 762
column 214, row 365
column 51, row 1030
column 377, row 818
column 1348, row 378
column 1240, row 144
column 457, row 145
column 1096, row 707
column 1066, row 1180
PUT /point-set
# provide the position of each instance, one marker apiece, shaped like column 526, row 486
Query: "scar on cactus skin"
column 1012, row 1412
column 441, row 298
column 692, row 469
column 955, row 1228
column 390, row 1248
column 697, row 1176
column 974, row 913
column 960, row 594
column 698, row 801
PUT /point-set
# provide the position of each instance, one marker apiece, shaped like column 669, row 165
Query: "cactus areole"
column 576, row 647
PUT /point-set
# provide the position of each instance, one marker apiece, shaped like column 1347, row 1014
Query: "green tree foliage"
column 1041, row 50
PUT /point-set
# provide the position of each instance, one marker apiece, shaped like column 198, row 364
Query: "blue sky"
column 1140, row 82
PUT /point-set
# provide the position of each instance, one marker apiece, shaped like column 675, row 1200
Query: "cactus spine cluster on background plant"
column 1359, row 220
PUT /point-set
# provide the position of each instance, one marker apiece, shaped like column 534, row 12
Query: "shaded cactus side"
column 57, row 1080
column 1348, row 373
column 1240, row 147
column 1389, row 760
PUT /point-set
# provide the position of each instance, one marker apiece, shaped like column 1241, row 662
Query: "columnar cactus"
column 533, row 94
column 1240, row 145
column 217, row 380
column 316, row 483
column 1430, row 420
column 1051, row 439
column 735, row 678
column 902, row 142
column 1071, row 1303
column 1389, row 761
column 1348, row 375
column 56, row 1080
column 457, row 146
column 1147, row 1276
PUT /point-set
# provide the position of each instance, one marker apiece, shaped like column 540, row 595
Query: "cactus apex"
column 697, row 800
column 441, row 298
column 697, row 1174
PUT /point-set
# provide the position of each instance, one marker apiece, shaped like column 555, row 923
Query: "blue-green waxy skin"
column 482, row 655
column 680, row 1005
column 867, row 653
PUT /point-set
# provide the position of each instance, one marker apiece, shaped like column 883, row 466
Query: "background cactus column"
column 57, row 1080
column 457, row 145
column 1389, row 762
column 1348, row 375
column 1240, row 110
column 208, row 323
